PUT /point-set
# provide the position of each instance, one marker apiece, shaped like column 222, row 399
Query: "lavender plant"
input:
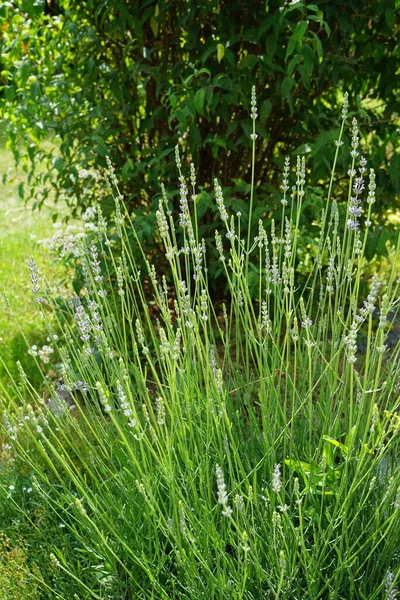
column 246, row 450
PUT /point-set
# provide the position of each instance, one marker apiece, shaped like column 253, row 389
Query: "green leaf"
column 58, row 163
column 343, row 448
column 154, row 24
column 350, row 437
column 220, row 52
column 309, row 59
column 299, row 464
column 318, row 45
column 21, row 190
column 248, row 61
column 199, row 100
column 296, row 38
column 287, row 85
column 293, row 6
column 6, row 74
column 265, row 110
column 293, row 64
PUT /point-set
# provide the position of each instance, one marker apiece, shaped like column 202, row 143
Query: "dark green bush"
column 131, row 80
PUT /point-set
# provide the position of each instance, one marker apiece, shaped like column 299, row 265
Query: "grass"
column 243, row 451
column 20, row 230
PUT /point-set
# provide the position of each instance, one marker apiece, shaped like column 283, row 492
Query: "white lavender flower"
column 294, row 331
column 104, row 401
column 192, row 175
column 239, row 503
column 285, row 182
column 204, row 305
column 162, row 221
column 222, row 493
column 390, row 590
column 266, row 324
column 177, row 157
column 371, row 187
column 276, row 483
column 253, row 102
column 306, row 322
column 275, row 275
column 288, row 239
column 160, row 409
column 330, row 275
column 287, row 278
column 184, row 215
column 176, row 347
column 164, row 344
column 220, row 201
column 354, row 139
column 219, row 380
column 198, row 261
column 120, row 279
column 82, row 320
column 369, row 303
column 182, row 521
column 355, row 210
column 345, row 107
column 186, row 304
column 95, row 263
column 352, row 223
column 218, row 244
column 34, row 276
column 350, row 342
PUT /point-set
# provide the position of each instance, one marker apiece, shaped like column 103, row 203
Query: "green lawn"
column 20, row 231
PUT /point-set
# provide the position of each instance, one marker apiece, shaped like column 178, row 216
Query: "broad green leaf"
column 21, row 190
column 350, row 437
column 318, row 45
column 309, row 59
column 293, row 64
column 296, row 38
column 344, row 448
column 293, row 6
column 298, row 464
column 248, row 61
column 154, row 24
column 220, row 52
column 265, row 110
column 287, row 85
column 199, row 100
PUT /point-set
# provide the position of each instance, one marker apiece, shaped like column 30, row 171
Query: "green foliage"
column 130, row 80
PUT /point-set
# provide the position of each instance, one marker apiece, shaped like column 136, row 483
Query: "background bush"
column 130, row 80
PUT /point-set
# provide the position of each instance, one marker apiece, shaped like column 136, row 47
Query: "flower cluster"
column 34, row 276
column 220, row 201
column 306, row 322
column 276, row 483
column 222, row 493
column 369, row 303
column 355, row 200
column 125, row 406
column 82, row 320
column 285, row 182
column 44, row 353
column 68, row 242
